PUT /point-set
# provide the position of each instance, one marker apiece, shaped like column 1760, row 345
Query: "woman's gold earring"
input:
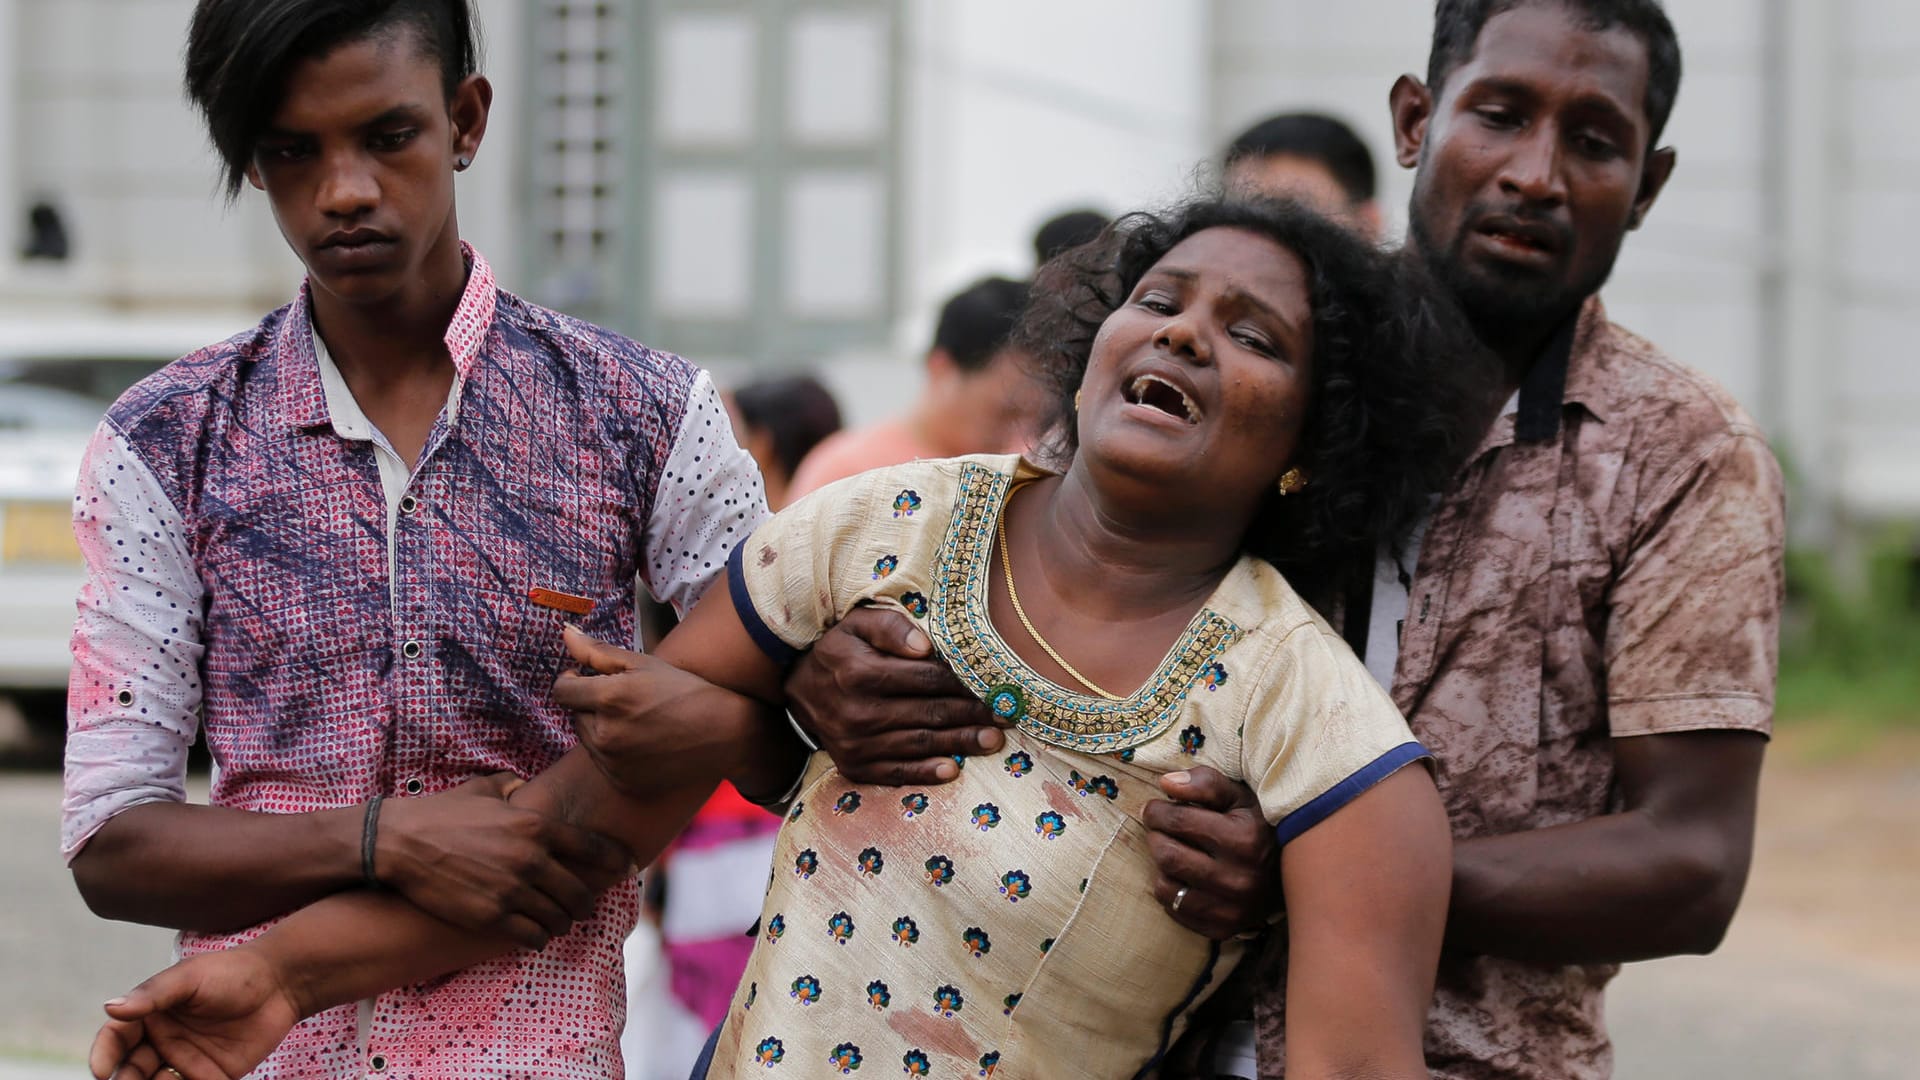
column 1293, row 481
column 1076, row 401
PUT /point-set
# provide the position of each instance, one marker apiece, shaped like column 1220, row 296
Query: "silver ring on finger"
column 1179, row 895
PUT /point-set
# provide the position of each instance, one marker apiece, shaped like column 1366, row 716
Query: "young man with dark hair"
column 324, row 547
column 1311, row 157
column 978, row 397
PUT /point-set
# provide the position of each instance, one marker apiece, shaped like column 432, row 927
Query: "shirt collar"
column 303, row 396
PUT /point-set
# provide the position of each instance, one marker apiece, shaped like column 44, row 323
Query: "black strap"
column 1356, row 617
column 1545, row 386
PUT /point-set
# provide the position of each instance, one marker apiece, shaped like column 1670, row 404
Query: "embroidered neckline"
column 1040, row 708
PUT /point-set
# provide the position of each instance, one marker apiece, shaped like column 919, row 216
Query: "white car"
column 58, row 375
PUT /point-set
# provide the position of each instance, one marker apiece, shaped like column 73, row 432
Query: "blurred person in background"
column 1066, row 230
column 704, row 893
column 978, row 397
column 1311, row 157
column 780, row 419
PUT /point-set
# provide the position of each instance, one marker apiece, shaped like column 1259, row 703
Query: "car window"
column 60, row 393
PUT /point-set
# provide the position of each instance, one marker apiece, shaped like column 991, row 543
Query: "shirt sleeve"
column 1319, row 731
column 133, row 698
column 820, row 556
column 710, row 499
column 1693, row 621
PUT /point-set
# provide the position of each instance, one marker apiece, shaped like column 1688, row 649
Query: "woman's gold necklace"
column 1013, row 594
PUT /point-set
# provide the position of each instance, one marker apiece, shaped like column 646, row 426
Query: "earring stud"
column 1293, row 481
column 460, row 163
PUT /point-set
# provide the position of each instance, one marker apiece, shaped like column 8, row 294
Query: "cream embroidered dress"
column 1002, row 925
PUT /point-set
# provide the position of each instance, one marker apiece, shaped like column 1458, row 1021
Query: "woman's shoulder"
column 1265, row 606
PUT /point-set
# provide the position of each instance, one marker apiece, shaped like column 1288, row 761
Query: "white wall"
column 100, row 127
column 93, row 116
column 1875, row 206
column 1015, row 111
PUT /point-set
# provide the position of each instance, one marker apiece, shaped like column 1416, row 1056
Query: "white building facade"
column 763, row 185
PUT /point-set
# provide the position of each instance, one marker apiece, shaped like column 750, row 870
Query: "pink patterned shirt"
column 260, row 575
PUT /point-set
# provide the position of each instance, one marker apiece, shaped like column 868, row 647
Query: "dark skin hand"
column 1661, row 877
column 884, row 706
column 464, row 855
column 1208, row 836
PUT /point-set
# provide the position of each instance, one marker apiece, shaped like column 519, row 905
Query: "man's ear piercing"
column 460, row 163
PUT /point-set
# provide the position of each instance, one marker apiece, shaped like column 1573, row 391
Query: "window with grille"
column 721, row 176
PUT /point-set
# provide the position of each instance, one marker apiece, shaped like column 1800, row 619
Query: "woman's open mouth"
column 1154, row 392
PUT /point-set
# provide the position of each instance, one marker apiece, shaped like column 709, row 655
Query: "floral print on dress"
column 947, row 1000
column 939, row 869
column 806, row 990
column 775, row 927
column 1126, row 755
column 1213, row 676
column 1008, row 1004
column 905, row 503
column 845, row 1057
column 1049, row 824
column 905, row 931
column 806, row 863
column 871, row 862
column 1192, row 739
column 989, row 1061
column 986, row 816
column 913, row 805
column 793, row 815
column 840, row 927
column 769, row 1052
column 885, row 567
column 753, row 992
column 1019, row 763
column 916, row 1063
column 1097, row 785
column 915, row 604
column 878, row 995
column 846, row 804
column 977, row 942
column 1015, row 886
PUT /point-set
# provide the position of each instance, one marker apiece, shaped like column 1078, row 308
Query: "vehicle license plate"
column 37, row 532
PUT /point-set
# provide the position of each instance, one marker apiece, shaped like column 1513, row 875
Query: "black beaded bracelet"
column 369, row 833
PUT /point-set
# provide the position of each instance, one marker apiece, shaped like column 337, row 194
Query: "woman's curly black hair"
column 1394, row 371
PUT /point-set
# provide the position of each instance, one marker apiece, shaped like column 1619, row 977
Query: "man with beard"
column 1585, row 630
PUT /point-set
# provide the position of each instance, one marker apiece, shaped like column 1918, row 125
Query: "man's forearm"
column 215, row 869
column 360, row 943
column 1608, row 890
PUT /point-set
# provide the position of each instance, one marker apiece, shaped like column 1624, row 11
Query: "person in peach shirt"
column 978, row 396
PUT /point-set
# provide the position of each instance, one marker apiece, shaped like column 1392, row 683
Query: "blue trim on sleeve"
column 1323, row 805
column 777, row 650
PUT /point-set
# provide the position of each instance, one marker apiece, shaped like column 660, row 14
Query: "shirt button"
column 408, row 504
column 378, row 1063
column 411, row 650
column 414, row 786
